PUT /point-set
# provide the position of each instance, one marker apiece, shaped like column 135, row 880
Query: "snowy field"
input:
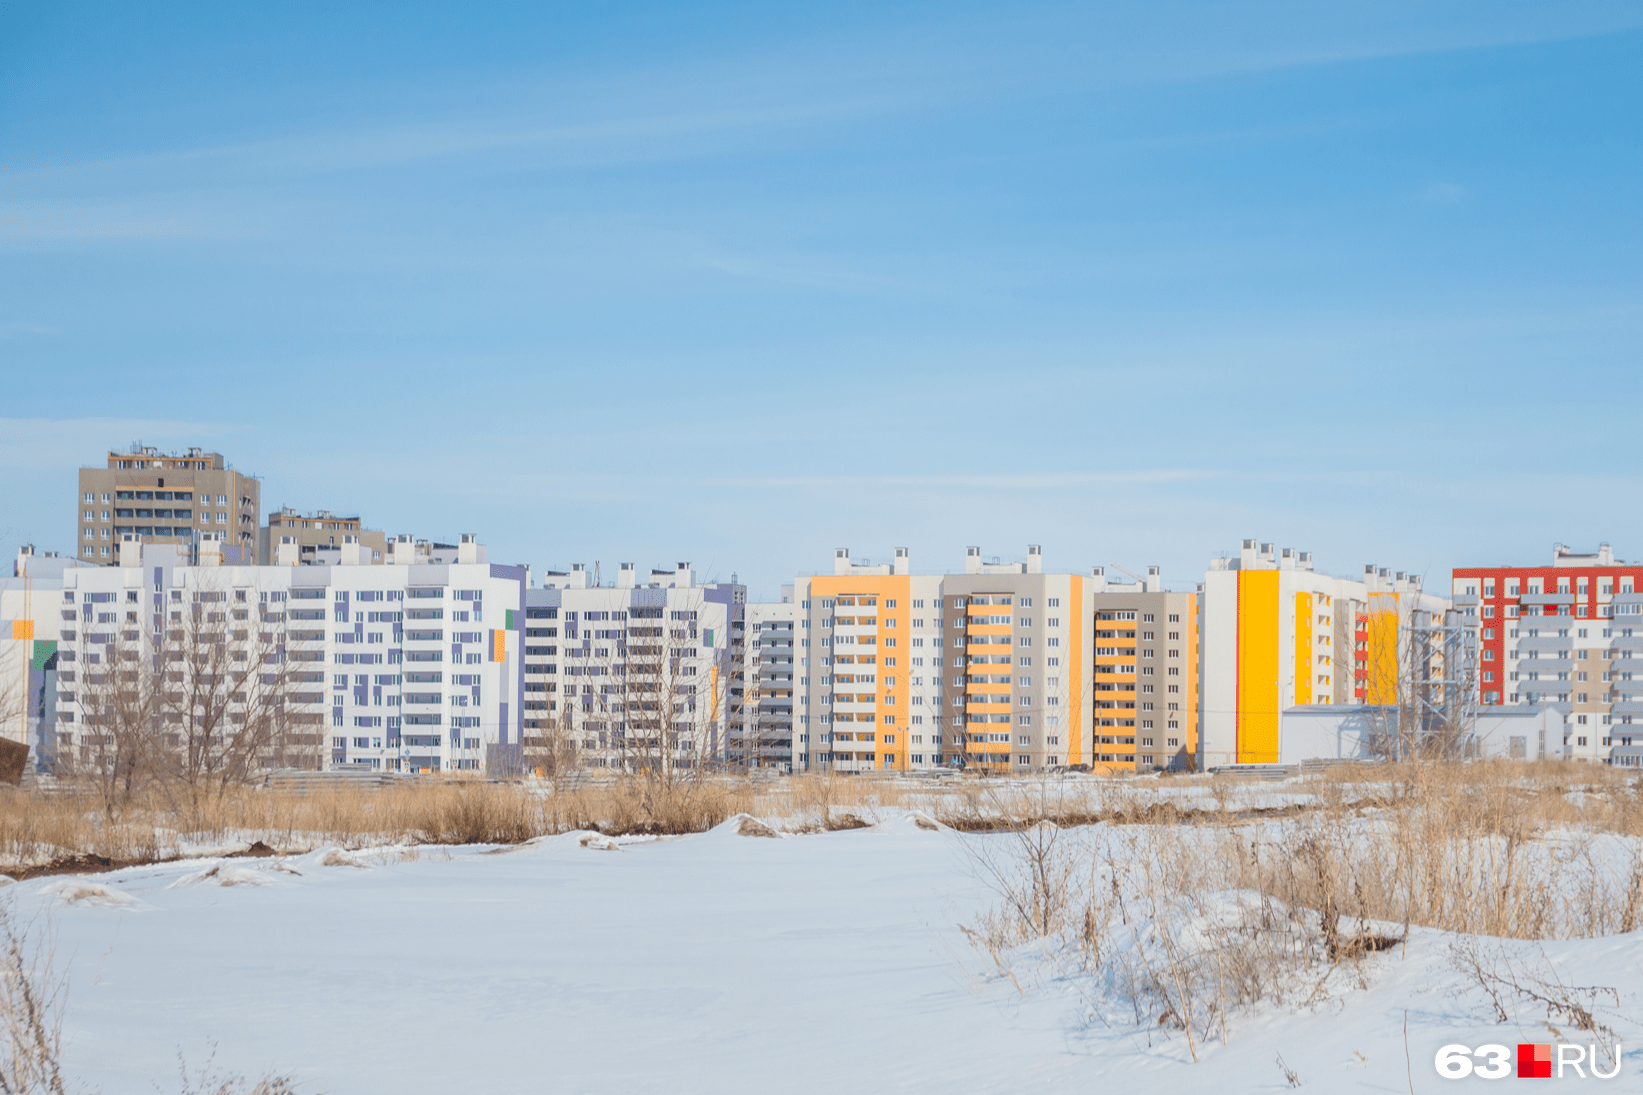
column 825, row 962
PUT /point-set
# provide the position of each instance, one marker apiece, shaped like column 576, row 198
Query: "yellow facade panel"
column 1258, row 667
column 1382, row 686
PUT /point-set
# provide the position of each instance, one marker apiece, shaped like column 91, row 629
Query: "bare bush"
column 31, row 1012
column 1182, row 918
column 1509, row 979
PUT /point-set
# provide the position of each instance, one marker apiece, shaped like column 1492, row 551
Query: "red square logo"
column 1534, row 1061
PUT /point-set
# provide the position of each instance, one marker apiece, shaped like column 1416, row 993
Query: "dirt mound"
column 748, row 825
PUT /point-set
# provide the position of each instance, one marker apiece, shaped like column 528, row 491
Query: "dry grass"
column 39, row 830
column 31, row 1013
column 1443, row 834
column 1187, row 909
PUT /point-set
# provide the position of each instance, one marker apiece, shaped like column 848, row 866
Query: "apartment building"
column 28, row 645
column 392, row 667
column 764, row 657
column 1144, row 673
column 316, row 536
column 1570, row 635
column 632, row 674
column 166, row 498
column 1277, row 635
column 907, row 672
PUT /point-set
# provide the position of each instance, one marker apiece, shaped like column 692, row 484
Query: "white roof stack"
column 841, row 561
column 974, row 564
column 683, row 577
column 903, row 563
column 470, row 550
column 131, row 551
column 626, row 576
column 1154, row 582
column 1098, row 579
column 352, row 553
column 287, row 553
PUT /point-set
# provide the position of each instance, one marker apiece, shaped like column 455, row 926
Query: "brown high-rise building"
column 166, row 498
column 317, row 537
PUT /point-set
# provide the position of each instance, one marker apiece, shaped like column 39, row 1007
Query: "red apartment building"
column 1562, row 634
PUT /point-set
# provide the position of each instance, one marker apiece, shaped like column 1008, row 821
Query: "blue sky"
column 740, row 284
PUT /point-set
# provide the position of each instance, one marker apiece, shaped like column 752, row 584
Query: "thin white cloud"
column 1020, row 482
column 680, row 110
column 22, row 222
column 1441, row 192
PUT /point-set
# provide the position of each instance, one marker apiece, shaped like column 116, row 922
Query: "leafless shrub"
column 210, row 1081
column 31, row 1013
column 1509, row 979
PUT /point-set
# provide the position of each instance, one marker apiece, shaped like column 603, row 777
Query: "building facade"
column 764, row 658
column 180, row 499
column 1002, row 668
column 1569, row 634
column 1276, row 634
column 411, row 668
column 315, row 536
column 29, row 633
column 1144, row 673
column 628, row 676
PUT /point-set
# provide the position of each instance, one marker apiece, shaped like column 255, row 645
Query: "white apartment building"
column 632, row 673
column 1277, row 635
column 411, row 668
column 762, row 687
column 29, row 635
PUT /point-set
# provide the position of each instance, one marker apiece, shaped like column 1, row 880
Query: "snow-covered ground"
column 826, row 962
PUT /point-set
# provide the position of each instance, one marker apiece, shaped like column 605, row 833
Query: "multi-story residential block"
column 1277, row 635
column 29, row 632
column 1145, row 673
column 630, row 675
column 394, row 667
column 866, row 634
column 316, row 537
column 1570, row 635
column 1003, row 668
column 166, row 498
column 764, row 655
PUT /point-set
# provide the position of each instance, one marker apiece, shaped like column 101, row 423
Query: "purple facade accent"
column 502, row 725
